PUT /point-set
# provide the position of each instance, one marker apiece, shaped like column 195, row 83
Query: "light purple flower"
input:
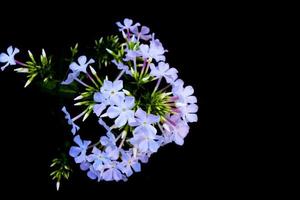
column 112, row 90
column 128, row 25
column 122, row 110
column 76, row 69
column 98, row 158
column 131, row 55
column 112, row 152
column 75, row 128
column 121, row 66
column 108, row 140
column 185, row 95
column 71, row 77
column 82, row 64
column 79, row 153
column 112, row 172
column 155, row 51
column 143, row 34
column 101, row 103
column 9, row 58
column 144, row 121
column 128, row 163
column 94, row 174
column 145, row 141
column 186, row 101
column 178, row 128
column 188, row 112
column 163, row 70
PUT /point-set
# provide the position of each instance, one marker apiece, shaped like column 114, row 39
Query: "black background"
column 201, row 40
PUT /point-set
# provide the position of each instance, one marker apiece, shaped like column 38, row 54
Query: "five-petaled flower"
column 9, row 58
column 128, row 25
column 163, row 70
column 111, row 90
column 77, row 68
column 79, row 153
column 75, row 128
column 144, row 122
column 122, row 110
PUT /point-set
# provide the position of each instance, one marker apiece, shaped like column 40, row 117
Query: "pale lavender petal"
column 127, row 22
column 101, row 122
column 70, row 78
column 178, row 140
column 136, row 167
column 143, row 146
column 118, row 85
column 4, row 57
column 85, row 166
column 107, row 175
column 98, row 97
column 192, row 108
column 10, row 50
column 152, row 119
column 191, row 99
column 121, row 120
column 188, row 91
column 192, row 117
column 129, row 102
column 80, row 158
column 74, row 151
column 153, row 146
column 99, row 108
column 78, row 140
column 141, row 114
column 117, row 175
column 119, row 24
column 129, row 172
column 145, row 30
column 113, row 112
column 82, row 60
column 163, row 67
column 75, row 128
column 92, row 175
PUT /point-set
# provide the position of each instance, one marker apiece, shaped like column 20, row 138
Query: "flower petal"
column 141, row 114
column 107, row 175
column 74, row 151
column 143, row 146
column 113, row 112
column 129, row 102
column 136, row 167
column 153, row 146
column 188, row 90
column 192, row 117
column 118, row 85
column 192, row 108
column 121, row 120
column 99, row 108
column 82, row 60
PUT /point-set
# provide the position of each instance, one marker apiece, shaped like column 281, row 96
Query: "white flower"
column 9, row 58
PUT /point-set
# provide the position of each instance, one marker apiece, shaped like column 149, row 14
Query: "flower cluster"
column 142, row 108
column 138, row 120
